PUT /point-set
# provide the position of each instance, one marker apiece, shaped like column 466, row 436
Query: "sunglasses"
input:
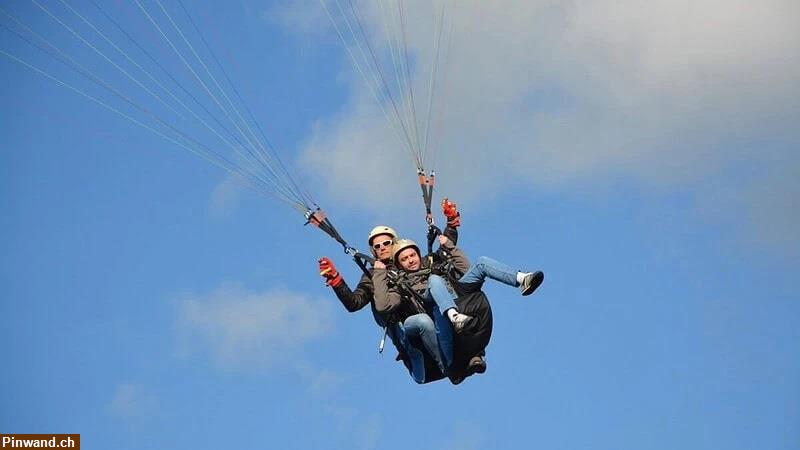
column 382, row 244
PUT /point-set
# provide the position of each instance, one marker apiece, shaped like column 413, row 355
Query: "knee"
column 419, row 321
column 483, row 260
column 436, row 281
column 425, row 324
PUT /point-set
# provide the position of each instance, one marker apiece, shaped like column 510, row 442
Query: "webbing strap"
column 433, row 233
column 320, row 220
column 426, row 184
column 362, row 260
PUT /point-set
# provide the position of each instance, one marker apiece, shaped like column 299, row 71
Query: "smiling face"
column 382, row 246
column 409, row 259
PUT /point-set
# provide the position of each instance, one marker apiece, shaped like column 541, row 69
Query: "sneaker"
column 477, row 364
column 460, row 322
column 531, row 282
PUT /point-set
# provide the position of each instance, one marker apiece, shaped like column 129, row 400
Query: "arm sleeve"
column 354, row 300
column 451, row 233
column 457, row 257
column 386, row 300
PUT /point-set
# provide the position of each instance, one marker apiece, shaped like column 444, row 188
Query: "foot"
column 460, row 322
column 531, row 282
column 477, row 364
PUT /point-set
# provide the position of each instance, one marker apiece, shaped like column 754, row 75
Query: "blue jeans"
column 487, row 267
column 422, row 326
column 471, row 281
column 439, row 293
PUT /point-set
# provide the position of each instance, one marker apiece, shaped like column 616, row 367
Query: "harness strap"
column 426, row 184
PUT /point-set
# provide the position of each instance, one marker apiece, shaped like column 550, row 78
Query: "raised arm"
column 454, row 254
column 453, row 216
column 352, row 300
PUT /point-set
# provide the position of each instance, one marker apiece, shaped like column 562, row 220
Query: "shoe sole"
column 478, row 368
column 538, row 278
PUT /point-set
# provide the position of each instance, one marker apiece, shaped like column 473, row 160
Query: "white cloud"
column 555, row 94
column 132, row 401
column 247, row 331
column 241, row 329
column 303, row 15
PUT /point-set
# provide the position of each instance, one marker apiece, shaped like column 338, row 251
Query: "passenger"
column 405, row 298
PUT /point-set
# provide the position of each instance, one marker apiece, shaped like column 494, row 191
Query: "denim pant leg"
column 421, row 325
column 416, row 358
column 439, row 294
column 487, row 267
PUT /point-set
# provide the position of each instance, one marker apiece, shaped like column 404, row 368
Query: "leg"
column 445, row 300
column 438, row 293
column 421, row 325
column 487, row 267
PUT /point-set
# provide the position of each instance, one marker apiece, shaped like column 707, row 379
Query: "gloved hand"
column 450, row 211
column 328, row 271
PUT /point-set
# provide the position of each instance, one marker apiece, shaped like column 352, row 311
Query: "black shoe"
column 531, row 282
column 477, row 365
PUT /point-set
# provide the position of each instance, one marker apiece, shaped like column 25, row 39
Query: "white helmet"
column 381, row 229
column 401, row 245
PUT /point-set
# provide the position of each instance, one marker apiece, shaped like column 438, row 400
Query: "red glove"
column 450, row 211
column 329, row 272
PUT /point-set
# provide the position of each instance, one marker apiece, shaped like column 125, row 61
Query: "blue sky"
column 644, row 156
